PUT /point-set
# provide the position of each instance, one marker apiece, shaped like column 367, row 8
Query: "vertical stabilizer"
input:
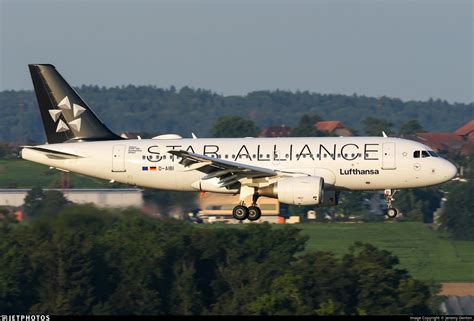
column 66, row 117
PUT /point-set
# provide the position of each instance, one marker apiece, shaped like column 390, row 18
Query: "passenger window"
column 424, row 154
column 416, row 154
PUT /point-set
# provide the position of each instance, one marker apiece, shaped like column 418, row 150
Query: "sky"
column 413, row 50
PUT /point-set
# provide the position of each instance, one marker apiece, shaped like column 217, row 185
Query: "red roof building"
column 466, row 130
column 461, row 141
column 333, row 127
column 276, row 131
column 441, row 142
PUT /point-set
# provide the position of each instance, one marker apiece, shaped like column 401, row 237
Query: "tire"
column 392, row 212
column 254, row 213
column 240, row 212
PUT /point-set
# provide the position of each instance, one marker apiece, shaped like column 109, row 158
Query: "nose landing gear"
column 391, row 212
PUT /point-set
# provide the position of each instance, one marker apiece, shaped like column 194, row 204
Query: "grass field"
column 24, row 174
column 426, row 254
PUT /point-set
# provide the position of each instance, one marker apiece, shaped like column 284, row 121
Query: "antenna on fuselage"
column 383, row 134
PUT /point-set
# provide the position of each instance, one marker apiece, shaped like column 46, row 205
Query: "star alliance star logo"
column 65, row 105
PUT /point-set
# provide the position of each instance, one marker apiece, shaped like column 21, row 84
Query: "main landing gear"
column 391, row 212
column 242, row 212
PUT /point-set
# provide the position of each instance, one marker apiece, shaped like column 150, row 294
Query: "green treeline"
column 147, row 109
column 90, row 261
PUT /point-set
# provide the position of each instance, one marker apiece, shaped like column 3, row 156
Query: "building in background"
column 276, row 131
column 100, row 197
column 333, row 127
column 459, row 142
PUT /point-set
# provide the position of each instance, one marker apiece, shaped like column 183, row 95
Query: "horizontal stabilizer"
column 53, row 154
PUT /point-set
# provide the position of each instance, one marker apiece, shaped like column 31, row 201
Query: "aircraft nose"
column 450, row 171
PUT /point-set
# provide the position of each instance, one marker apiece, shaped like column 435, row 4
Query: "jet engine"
column 306, row 190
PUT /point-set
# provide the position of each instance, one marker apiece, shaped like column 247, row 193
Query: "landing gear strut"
column 392, row 212
column 252, row 213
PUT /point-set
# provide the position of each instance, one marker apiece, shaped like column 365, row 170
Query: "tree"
column 33, row 203
column 234, row 126
column 458, row 213
column 284, row 297
column 411, row 127
column 419, row 204
column 457, row 216
column 16, row 275
column 376, row 287
column 38, row 202
column 120, row 262
column 6, row 151
column 306, row 127
column 53, row 202
column 375, row 126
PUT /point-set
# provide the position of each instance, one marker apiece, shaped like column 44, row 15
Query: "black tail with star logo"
column 66, row 117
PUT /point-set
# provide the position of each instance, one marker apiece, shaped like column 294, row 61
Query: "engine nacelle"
column 307, row 190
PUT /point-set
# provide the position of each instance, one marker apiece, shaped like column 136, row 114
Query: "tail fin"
column 66, row 117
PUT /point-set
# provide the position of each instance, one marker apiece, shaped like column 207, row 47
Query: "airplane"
column 294, row 170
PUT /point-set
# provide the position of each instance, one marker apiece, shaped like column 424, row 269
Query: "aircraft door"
column 118, row 159
column 388, row 156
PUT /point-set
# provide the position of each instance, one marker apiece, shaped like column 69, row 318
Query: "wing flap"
column 228, row 172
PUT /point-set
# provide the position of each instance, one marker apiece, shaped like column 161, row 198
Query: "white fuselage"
column 345, row 163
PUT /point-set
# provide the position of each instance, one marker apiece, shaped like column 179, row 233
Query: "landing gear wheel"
column 254, row 213
column 240, row 212
column 392, row 212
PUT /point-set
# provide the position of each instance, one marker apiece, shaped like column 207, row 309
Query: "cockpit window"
column 416, row 154
column 432, row 153
column 424, row 154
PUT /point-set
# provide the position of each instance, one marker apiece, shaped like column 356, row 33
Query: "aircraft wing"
column 228, row 172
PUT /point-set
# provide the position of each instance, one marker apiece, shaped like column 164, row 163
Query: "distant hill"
column 157, row 110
